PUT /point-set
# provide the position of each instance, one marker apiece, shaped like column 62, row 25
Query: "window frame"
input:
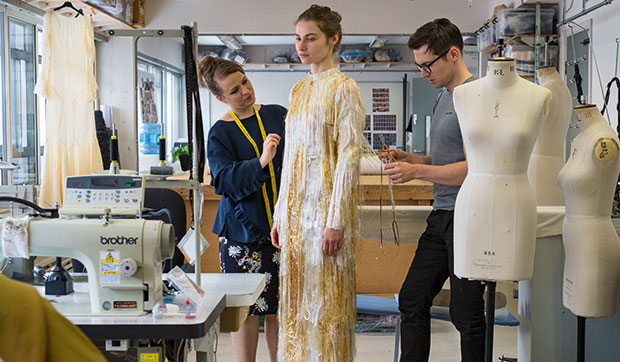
column 175, row 128
column 7, row 14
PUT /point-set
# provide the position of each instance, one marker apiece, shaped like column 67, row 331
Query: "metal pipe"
column 405, row 118
column 581, row 339
column 488, row 353
column 617, row 48
column 198, row 189
column 537, row 43
column 584, row 12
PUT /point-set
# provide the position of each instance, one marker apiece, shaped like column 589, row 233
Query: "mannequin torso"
column 548, row 155
column 591, row 273
column 495, row 213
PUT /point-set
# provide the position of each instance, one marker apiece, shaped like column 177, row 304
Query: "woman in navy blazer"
column 244, row 151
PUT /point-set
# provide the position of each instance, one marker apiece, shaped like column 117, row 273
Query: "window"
column 3, row 93
column 167, row 95
column 19, row 115
column 23, row 126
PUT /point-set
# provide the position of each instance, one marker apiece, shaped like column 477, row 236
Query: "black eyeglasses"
column 427, row 67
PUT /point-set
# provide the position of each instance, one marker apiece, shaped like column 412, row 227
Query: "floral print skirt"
column 258, row 257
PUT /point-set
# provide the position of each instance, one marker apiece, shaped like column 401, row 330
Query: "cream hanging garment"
column 68, row 83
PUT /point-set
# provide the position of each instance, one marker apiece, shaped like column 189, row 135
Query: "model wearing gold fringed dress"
column 324, row 130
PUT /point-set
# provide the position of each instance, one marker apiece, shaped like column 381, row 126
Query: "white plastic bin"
column 523, row 21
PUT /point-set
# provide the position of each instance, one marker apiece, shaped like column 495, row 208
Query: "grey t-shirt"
column 446, row 146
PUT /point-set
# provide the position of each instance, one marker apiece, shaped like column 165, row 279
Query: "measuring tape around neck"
column 272, row 172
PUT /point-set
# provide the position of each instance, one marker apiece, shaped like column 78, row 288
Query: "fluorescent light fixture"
column 230, row 42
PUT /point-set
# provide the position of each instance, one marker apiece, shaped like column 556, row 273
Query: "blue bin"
column 149, row 138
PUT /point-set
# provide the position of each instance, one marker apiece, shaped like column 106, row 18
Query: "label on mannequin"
column 606, row 149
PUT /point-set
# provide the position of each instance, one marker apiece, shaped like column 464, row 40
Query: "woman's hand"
column 331, row 240
column 269, row 149
column 275, row 235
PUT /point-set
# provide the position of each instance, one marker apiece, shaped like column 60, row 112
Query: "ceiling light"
column 230, row 42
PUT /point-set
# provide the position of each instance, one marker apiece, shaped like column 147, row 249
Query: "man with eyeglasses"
column 438, row 50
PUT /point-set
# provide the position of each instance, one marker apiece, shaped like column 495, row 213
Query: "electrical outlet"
column 116, row 344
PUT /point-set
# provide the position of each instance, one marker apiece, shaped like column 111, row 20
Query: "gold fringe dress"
column 324, row 137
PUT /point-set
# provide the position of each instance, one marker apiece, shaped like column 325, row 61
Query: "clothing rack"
column 191, row 184
column 584, row 11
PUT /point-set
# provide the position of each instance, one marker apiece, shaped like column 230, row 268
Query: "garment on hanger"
column 68, row 83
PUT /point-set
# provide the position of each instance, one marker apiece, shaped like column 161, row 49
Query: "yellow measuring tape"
column 271, row 170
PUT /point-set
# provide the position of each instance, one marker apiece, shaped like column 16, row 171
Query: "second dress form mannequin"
column 495, row 213
column 549, row 151
column 592, row 247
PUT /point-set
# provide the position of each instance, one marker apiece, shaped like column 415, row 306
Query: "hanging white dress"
column 68, row 83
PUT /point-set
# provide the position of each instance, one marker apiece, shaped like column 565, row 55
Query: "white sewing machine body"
column 123, row 256
column 111, row 253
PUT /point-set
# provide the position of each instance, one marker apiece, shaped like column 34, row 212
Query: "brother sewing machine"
column 100, row 226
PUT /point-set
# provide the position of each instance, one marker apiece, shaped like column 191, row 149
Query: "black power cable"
column 32, row 205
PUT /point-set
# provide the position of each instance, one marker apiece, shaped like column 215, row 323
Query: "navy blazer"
column 237, row 176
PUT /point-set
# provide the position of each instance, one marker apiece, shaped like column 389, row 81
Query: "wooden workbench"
column 381, row 269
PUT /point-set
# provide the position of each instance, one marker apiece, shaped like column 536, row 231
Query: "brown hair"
column 210, row 69
column 439, row 35
column 326, row 19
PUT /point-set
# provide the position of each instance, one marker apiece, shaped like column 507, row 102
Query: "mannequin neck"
column 501, row 73
column 548, row 75
column 587, row 116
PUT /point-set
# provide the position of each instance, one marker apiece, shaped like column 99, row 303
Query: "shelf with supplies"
column 528, row 39
column 128, row 17
column 359, row 66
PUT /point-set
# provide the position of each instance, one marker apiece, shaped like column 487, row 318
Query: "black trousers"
column 432, row 265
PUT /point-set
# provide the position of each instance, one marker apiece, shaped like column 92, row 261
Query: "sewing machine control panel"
column 93, row 194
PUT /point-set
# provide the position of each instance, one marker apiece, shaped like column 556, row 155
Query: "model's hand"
column 331, row 240
column 269, row 148
column 399, row 172
column 275, row 235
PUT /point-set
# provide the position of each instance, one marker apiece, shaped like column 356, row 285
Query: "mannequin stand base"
column 490, row 312
column 581, row 339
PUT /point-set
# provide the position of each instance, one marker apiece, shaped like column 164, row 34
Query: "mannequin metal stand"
column 490, row 312
column 581, row 339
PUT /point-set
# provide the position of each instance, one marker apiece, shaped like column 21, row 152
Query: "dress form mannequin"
column 591, row 272
column 495, row 213
column 548, row 155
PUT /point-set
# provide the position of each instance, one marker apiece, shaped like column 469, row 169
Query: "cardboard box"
column 138, row 14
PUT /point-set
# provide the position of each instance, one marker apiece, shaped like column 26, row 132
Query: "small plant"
column 181, row 153
column 178, row 151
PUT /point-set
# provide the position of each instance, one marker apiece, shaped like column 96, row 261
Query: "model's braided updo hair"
column 326, row 19
column 210, row 69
